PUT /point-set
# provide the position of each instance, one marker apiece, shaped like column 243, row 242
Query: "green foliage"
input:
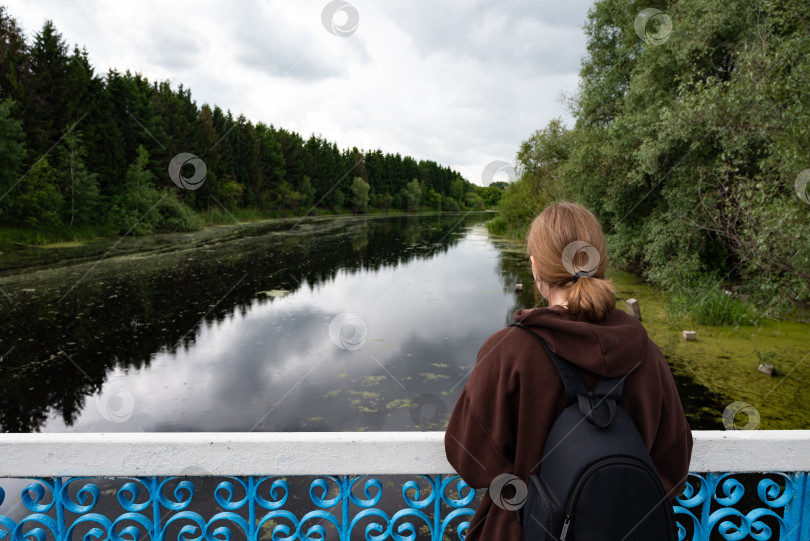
column 359, row 195
column 142, row 209
column 450, row 204
column 259, row 167
column 12, row 151
column 307, row 191
column 412, row 195
column 518, row 207
column 687, row 151
column 14, row 58
column 218, row 216
column 175, row 216
column 336, row 199
column 384, row 201
column 433, row 199
column 457, row 189
column 133, row 210
column 491, row 195
column 473, row 200
column 78, row 185
column 765, row 356
column 12, row 237
column 541, row 157
column 542, row 160
column 229, row 192
column 287, row 198
column 39, row 202
column 48, row 107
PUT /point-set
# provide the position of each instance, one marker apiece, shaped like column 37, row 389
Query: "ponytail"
column 591, row 297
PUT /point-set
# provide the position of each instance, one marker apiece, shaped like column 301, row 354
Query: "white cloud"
column 461, row 83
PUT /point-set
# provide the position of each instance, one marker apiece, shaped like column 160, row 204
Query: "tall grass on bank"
column 706, row 303
column 218, row 216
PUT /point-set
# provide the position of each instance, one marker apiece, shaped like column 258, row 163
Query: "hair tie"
column 580, row 274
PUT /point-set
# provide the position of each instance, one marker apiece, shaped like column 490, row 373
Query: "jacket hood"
column 611, row 347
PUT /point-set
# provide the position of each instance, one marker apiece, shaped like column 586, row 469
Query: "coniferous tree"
column 14, row 60
column 307, row 192
column 272, row 165
column 108, row 141
column 92, row 109
column 12, row 150
column 47, row 113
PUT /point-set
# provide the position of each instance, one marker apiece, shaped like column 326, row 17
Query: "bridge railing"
column 338, row 485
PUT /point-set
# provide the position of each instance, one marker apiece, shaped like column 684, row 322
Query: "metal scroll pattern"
column 435, row 507
column 732, row 506
column 727, row 506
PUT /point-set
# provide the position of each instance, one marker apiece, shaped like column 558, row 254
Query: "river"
column 338, row 324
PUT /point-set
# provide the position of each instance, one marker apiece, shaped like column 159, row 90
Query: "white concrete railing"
column 332, row 453
column 66, row 495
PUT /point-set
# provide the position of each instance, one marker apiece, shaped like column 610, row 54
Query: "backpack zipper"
column 572, row 501
column 566, row 524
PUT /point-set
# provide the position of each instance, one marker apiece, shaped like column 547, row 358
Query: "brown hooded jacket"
column 514, row 394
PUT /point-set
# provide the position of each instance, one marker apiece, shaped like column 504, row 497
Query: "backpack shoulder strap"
column 571, row 381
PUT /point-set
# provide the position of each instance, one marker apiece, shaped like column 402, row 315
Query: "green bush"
column 518, row 207
column 175, row 216
column 449, row 204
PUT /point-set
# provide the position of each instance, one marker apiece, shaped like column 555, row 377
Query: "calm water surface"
column 344, row 324
column 234, row 334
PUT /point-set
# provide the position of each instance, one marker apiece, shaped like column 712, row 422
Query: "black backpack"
column 597, row 481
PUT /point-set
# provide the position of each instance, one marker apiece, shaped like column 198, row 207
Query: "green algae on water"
column 724, row 359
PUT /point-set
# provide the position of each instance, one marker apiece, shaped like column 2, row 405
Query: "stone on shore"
column 690, row 335
column 765, row 368
column 634, row 308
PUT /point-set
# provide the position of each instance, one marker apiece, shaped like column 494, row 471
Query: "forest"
column 691, row 144
column 88, row 154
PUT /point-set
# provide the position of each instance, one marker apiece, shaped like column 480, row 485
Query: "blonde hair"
column 568, row 246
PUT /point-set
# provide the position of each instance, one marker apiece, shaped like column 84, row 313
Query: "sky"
column 461, row 82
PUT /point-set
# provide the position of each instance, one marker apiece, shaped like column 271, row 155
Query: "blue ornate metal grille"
column 764, row 507
column 732, row 507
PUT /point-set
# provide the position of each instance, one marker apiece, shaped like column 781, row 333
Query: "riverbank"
column 725, row 358
column 733, row 337
column 14, row 238
column 89, row 243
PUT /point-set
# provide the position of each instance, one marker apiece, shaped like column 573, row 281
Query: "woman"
column 514, row 394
